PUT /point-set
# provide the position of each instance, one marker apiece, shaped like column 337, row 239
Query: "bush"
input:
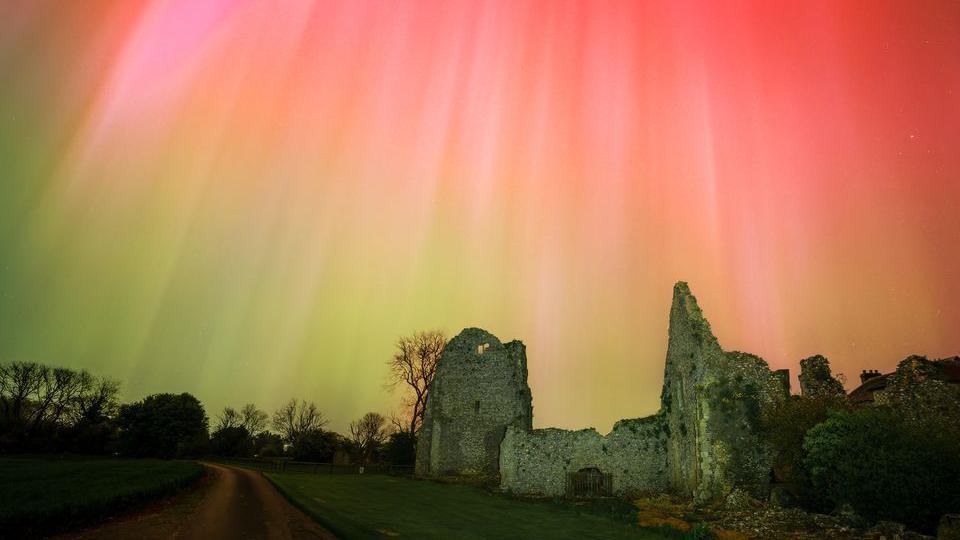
column 268, row 444
column 232, row 441
column 315, row 445
column 92, row 438
column 401, row 449
column 885, row 467
column 785, row 424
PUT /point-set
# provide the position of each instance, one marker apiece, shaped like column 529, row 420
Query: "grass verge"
column 378, row 506
column 45, row 494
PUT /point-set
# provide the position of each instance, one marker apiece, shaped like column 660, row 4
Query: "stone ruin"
column 919, row 388
column 479, row 390
column 816, row 380
column 703, row 442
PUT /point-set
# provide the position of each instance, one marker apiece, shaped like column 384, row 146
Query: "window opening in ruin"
column 482, row 348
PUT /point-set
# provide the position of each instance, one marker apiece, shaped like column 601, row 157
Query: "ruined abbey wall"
column 537, row 462
column 922, row 388
column 712, row 400
column 479, row 389
column 703, row 442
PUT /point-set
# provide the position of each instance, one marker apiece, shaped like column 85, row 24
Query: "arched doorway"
column 589, row 482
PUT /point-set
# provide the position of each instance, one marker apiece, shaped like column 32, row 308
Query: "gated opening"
column 589, row 482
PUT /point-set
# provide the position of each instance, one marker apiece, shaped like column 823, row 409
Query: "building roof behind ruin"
column 950, row 369
column 864, row 392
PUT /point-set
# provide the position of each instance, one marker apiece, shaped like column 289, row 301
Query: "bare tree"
column 368, row 433
column 228, row 419
column 53, row 394
column 296, row 419
column 71, row 385
column 20, row 381
column 253, row 419
column 412, row 367
column 400, row 420
column 34, row 395
column 98, row 402
column 249, row 417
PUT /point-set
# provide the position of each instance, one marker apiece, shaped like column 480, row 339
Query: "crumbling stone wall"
column 634, row 453
column 816, row 380
column 922, row 388
column 479, row 389
column 712, row 401
column 704, row 441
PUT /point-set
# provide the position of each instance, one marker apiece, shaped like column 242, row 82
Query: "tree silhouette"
column 368, row 434
column 163, row 425
column 412, row 367
column 297, row 419
column 249, row 417
column 253, row 419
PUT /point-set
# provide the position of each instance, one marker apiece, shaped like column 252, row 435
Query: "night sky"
column 251, row 200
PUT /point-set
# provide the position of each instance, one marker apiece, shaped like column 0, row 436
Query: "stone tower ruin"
column 479, row 389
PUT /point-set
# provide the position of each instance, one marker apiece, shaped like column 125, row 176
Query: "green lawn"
column 376, row 506
column 38, row 493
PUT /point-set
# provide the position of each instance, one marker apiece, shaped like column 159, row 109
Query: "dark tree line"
column 55, row 409
column 299, row 433
column 45, row 409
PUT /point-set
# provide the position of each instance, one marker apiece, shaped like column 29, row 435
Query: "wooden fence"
column 288, row 465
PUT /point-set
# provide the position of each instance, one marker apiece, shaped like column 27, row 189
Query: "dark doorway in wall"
column 589, row 482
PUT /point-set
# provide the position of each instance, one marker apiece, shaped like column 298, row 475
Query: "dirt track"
column 231, row 503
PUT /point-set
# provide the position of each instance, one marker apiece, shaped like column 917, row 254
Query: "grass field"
column 376, row 506
column 46, row 493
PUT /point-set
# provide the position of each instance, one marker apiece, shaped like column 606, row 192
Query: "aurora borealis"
column 251, row 201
